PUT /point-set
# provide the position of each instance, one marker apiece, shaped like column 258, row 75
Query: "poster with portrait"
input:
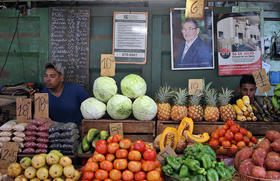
column 239, row 43
column 192, row 41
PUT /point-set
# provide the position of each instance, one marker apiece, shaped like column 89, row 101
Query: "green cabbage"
column 133, row 86
column 92, row 108
column 144, row 108
column 104, row 88
column 119, row 107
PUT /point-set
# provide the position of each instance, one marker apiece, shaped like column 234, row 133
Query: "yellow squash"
column 169, row 137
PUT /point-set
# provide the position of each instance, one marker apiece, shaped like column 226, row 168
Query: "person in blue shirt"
column 64, row 98
column 193, row 52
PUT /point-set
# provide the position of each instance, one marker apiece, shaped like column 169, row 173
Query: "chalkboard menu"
column 69, row 42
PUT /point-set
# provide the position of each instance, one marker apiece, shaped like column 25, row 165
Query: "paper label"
column 194, row 85
column 23, row 110
column 8, row 154
column 195, row 9
column 116, row 128
column 41, row 105
column 261, row 80
column 108, row 65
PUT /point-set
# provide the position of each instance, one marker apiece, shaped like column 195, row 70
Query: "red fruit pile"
column 230, row 138
column 120, row 159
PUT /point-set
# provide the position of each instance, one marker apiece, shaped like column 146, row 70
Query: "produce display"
column 120, row 159
column 262, row 161
column 230, row 138
column 87, row 146
column 197, row 164
column 52, row 166
column 275, row 99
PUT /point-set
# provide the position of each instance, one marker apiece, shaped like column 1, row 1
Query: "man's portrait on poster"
column 191, row 41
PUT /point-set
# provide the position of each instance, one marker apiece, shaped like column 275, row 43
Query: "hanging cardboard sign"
column 8, row 154
column 164, row 153
column 108, row 65
column 23, row 110
column 116, row 128
column 194, row 85
column 195, row 9
column 261, row 80
column 41, row 105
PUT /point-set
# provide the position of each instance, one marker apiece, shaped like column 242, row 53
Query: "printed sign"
column 41, row 105
column 108, row 65
column 164, row 153
column 23, row 110
column 116, row 128
column 8, row 154
column 195, row 9
column 261, row 80
column 195, row 85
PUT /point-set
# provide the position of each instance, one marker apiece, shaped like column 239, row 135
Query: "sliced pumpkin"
column 169, row 137
column 201, row 138
column 186, row 124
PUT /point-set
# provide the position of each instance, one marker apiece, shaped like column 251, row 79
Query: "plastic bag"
column 21, row 145
column 8, row 126
column 30, row 133
column 18, row 139
column 41, row 151
column 68, row 127
column 42, row 140
column 30, row 144
column 42, row 145
column 43, row 134
column 31, row 127
column 28, row 150
column 19, row 127
column 5, row 139
column 38, row 122
column 55, row 128
column 19, row 134
column 67, row 134
column 43, row 128
column 55, row 147
column 54, row 141
column 29, row 138
column 54, row 135
column 70, row 140
column 67, row 152
column 6, row 134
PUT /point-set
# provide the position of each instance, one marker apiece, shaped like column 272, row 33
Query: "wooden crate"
column 257, row 128
column 133, row 129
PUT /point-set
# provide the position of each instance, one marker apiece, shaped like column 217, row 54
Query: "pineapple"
column 179, row 109
column 195, row 110
column 211, row 112
column 164, row 109
column 227, row 111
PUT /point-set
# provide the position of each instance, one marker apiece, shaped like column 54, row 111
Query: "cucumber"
column 95, row 140
column 79, row 149
column 92, row 132
column 103, row 135
column 85, row 145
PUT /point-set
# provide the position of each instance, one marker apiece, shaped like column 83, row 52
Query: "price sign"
column 23, row 110
column 195, row 9
column 8, row 154
column 41, row 105
column 194, row 85
column 116, row 128
column 164, row 153
column 108, row 65
column 261, row 80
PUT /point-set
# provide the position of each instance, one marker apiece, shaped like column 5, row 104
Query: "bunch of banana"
column 244, row 110
column 265, row 110
column 276, row 98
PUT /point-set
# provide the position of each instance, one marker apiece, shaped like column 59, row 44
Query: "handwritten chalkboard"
column 69, row 42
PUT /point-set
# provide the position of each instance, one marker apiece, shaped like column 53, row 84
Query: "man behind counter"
column 247, row 86
column 64, row 98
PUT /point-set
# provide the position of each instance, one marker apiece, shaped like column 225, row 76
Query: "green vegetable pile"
column 197, row 164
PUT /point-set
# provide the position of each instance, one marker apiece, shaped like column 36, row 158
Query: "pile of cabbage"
column 119, row 106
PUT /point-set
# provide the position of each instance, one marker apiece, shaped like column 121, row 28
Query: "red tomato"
column 148, row 166
column 153, row 175
column 110, row 157
column 238, row 137
column 246, row 140
column 88, row 175
column 229, row 135
column 101, row 146
column 120, row 164
column 150, row 154
column 243, row 131
column 139, row 145
column 222, row 150
column 157, row 163
column 127, row 175
column 225, row 127
column 116, row 138
column 90, row 159
column 254, row 140
column 249, row 134
column 215, row 135
column 115, row 174
column 241, row 144
column 125, row 143
column 233, row 142
column 221, row 139
column 101, row 174
column 250, row 144
column 214, row 143
column 98, row 157
column 234, row 128
column 106, row 165
column 108, row 179
column 221, row 132
column 121, row 153
column 233, row 149
column 140, row 176
column 91, row 166
column 226, row 144
column 134, row 155
column 230, row 122
column 134, row 166
column 83, row 169
column 159, row 170
column 113, row 147
column 110, row 139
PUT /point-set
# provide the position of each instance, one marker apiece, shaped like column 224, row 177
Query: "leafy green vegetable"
column 104, row 88
column 92, row 108
column 119, row 107
column 144, row 108
column 133, row 86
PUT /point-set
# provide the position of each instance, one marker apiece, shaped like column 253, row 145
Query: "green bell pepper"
column 207, row 149
column 184, row 172
column 167, row 169
column 205, row 159
column 212, row 175
column 221, row 163
column 171, row 160
column 223, row 172
column 180, row 159
column 231, row 169
column 192, row 164
column 199, row 178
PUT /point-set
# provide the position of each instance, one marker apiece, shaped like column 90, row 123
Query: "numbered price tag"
column 108, row 65
column 23, row 110
column 261, row 80
column 164, row 153
column 194, row 85
column 116, row 128
column 41, row 105
column 8, row 154
column 195, row 9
